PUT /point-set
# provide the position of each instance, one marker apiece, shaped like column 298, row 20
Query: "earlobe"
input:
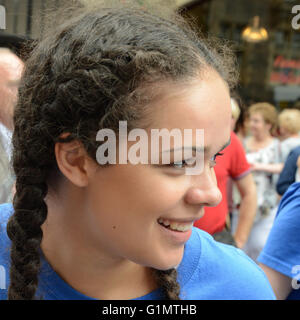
column 72, row 161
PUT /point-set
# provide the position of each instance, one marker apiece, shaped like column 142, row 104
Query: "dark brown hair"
column 89, row 74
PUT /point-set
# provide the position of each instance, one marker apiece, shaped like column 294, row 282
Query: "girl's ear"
column 73, row 161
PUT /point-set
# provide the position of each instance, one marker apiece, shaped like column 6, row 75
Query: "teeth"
column 180, row 226
column 164, row 222
column 176, row 225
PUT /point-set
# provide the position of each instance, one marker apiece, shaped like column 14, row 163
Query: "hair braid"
column 24, row 230
column 30, row 211
column 167, row 280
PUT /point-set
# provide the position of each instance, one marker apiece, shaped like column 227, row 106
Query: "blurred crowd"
column 256, row 169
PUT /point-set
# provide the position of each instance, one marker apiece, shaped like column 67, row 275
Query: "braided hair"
column 92, row 71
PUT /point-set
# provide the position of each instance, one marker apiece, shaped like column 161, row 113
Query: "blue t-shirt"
column 209, row 270
column 282, row 249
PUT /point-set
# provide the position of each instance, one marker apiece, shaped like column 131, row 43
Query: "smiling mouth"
column 175, row 226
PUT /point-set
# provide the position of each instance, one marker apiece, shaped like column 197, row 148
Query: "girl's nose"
column 205, row 192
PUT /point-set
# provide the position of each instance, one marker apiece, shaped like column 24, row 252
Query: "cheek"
column 154, row 197
column 143, row 195
column 123, row 218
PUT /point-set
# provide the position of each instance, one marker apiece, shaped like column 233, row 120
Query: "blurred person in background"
column 289, row 124
column 10, row 73
column 241, row 124
column 232, row 165
column 264, row 155
column 289, row 127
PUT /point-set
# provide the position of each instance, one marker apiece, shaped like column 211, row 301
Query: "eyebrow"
column 201, row 149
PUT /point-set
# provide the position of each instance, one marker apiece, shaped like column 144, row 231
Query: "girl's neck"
column 88, row 269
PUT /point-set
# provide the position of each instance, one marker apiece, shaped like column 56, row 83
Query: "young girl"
column 81, row 230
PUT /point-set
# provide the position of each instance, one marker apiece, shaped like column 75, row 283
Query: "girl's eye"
column 213, row 159
column 181, row 164
column 184, row 163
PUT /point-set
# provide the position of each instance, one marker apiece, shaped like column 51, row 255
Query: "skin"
column 247, row 189
column 102, row 230
column 281, row 284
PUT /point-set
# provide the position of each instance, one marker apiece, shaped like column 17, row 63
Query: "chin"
column 168, row 261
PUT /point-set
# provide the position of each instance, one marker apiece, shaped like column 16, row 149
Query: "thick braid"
column 30, row 212
column 167, row 280
column 24, row 230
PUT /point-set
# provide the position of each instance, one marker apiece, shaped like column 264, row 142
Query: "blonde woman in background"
column 263, row 153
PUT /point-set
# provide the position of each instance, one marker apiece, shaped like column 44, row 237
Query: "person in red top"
column 232, row 165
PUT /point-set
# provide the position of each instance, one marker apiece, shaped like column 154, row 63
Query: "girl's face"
column 126, row 204
column 258, row 125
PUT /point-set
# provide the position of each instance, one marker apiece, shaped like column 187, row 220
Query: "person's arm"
column 281, row 284
column 267, row 167
column 247, row 210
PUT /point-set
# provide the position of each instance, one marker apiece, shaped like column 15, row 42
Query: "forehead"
column 257, row 115
column 201, row 104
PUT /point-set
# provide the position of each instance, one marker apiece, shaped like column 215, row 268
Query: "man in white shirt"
column 11, row 68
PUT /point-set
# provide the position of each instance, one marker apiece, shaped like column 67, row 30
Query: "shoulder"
column 295, row 151
column 219, row 271
column 234, row 139
column 235, row 144
column 238, row 165
column 275, row 143
column 290, row 202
